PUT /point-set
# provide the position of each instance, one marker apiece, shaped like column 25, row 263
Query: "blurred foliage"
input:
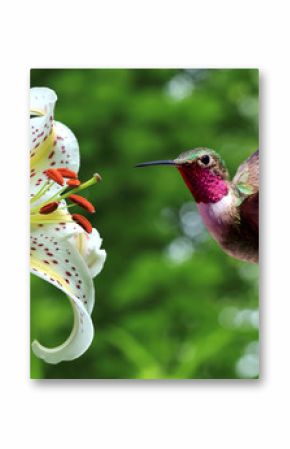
column 169, row 302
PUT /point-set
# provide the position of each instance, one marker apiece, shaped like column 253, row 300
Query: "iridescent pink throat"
column 205, row 186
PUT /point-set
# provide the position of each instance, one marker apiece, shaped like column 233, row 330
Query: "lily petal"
column 89, row 246
column 63, row 151
column 78, row 342
column 57, row 261
column 58, row 223
column 42, row 101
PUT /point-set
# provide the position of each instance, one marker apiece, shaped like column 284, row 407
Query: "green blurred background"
column 169, row 302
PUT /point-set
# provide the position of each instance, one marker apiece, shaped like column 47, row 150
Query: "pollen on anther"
column 55, row 175
column 67, row 173
column 82, row 202
column 73, row 182
column 83, row 222
column 49, row 208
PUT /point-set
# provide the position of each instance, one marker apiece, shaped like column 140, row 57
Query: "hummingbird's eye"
column 205, row 159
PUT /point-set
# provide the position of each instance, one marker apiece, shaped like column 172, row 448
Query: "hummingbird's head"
column 203, row 171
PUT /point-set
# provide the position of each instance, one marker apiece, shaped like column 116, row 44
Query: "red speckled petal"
column 63, row 152
column 89, row 246
column 42, row 102
column 57, row 261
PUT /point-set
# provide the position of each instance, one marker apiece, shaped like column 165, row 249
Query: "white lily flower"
column 65, row 250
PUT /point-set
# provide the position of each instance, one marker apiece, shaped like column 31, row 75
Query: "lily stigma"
column 65, row 250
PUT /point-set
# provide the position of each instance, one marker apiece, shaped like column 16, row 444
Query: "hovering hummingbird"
column 229, row 209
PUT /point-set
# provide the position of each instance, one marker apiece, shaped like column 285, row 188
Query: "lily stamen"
column 83, row 222
column 55, row 175
column 52, row 203
column 42, row 191
column 96, row 178
column 67, row 173
column 49, row 208
column 73, row 182
column 82, row 202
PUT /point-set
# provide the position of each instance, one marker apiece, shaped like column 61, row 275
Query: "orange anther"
column 73, row 182
column 53, row 173
column 67, row 173
column 49, row 208
column 83, row 222
column 85, row 204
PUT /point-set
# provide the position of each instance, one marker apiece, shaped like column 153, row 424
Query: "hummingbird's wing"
column 246, row 182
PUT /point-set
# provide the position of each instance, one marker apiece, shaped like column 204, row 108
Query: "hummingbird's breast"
column 224, row 223
column 219, row 216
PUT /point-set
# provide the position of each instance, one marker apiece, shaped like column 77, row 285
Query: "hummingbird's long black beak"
column 147, row 164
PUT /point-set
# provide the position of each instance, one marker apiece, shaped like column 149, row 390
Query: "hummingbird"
column 229, row 209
